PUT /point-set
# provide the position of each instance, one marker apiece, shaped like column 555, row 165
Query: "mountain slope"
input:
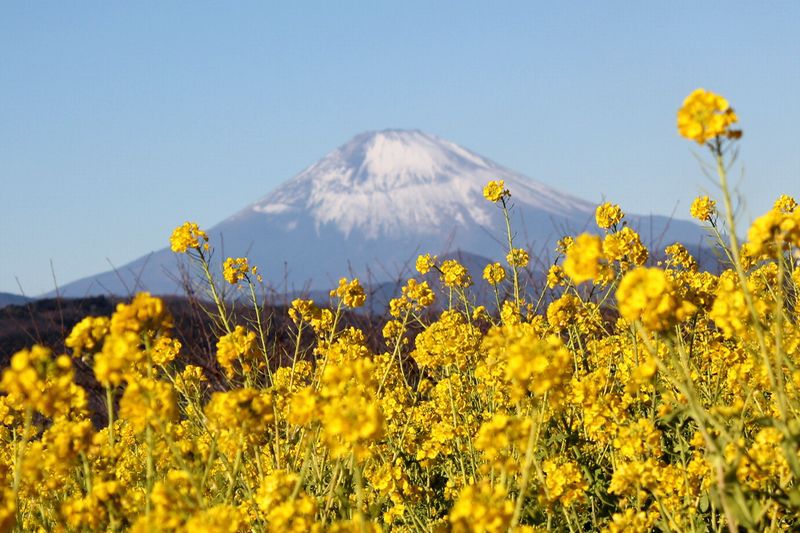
column 370, row 206
column 7, row 298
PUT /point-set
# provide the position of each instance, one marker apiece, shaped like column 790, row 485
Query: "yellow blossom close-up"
column 704, row 116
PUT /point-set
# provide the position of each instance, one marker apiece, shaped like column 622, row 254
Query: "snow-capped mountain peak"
column 396, row 181
column 393, row 158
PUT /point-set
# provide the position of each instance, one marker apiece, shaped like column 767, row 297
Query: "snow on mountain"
column 370, row 206
column 400, row 182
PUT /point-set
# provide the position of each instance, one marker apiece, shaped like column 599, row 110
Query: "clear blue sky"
column 120, row 120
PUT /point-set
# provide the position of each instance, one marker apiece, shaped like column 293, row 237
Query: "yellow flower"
column 679, row 255
column 172, row 499
column 235, row 270
column 351, row 293
column 247, row 410
column 773, row 232
column 518, row 257
column 217, row 519
column 451, row 340
column 87, row 334
column 239, row 345
column 500, row 437
column 482, row 507
column 564, row 244
column 564, row 482
column 190, row 379
column 494, row 273
column 729, row 311
column 187, row 236
column 608, row 215
column 37, row 381
column 148, row 402
column 303, row 406
column 286, row 506
column 563, row 312
column 765, row 463
column 351, row 418
column 785, row 204
column 638, row 440
column 119, row 354
column 555, row 276
column 495, row 190
column 455, row 275
column 165, row 350
column 510, row 313
column 302, row 310
column 705, row 116
column 703, row 208
column 631, row 521
column 425, row 263
column 419, row 293
column 532, row 364
column 625, row 246
column 350, row 425
column 480, row 313
column 8, row 509
column 145, row 314
column 583, row 261
column 647, row 294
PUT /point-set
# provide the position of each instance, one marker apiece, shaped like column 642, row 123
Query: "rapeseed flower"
column 235, row 270
column 351, row 293
column 495, row 191
column 494, row 273
column 647, row 294
column 518, row 257
column 704, row 116
column 584, row 261
column 607, row 215
column 454, row 274
column 703, row 209
column 188, row 236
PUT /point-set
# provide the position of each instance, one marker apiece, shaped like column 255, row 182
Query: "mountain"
column 7, row 298
column 371, row 206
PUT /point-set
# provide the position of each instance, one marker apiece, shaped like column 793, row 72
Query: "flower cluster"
column 703, row 208
column 495, row 191
column 188, row 236
column 704, row 116
column 607, row 215
column 351, row 293
column 236, row 269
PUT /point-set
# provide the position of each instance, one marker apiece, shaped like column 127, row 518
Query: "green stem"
column 510, row 237
column 526, row 473
column 110, row 407
column 223, row 314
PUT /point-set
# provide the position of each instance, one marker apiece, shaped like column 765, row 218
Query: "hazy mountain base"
column 7, row 298
column 49, row 321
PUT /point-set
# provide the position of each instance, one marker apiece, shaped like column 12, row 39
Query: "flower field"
column 633, row 394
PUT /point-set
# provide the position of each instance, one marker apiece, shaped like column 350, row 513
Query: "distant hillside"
column 7, row 298
column 49, row 321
